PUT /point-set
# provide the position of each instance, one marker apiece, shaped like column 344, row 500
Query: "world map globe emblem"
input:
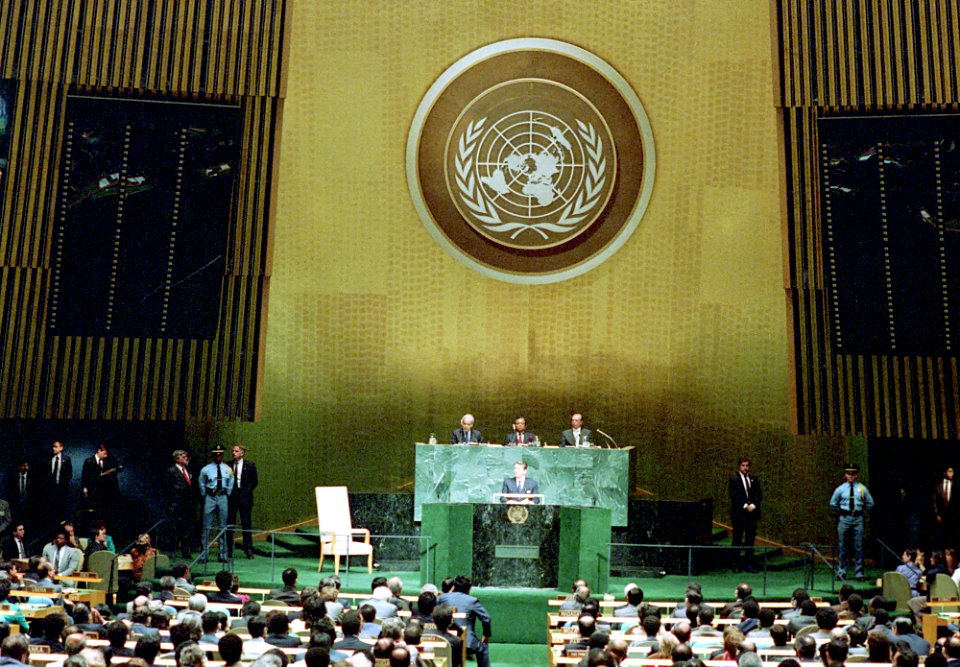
column 531, row 176
column 530, row 160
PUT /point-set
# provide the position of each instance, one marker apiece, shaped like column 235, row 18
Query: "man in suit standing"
column 576, row 435
column 945, row 510
column 466, row 434
column 519, row 435
column 520, row 484
column 100, row 483
column 21, row 494
column 465, row 603
column 745, row 499
column 181, row 502
column 60, row 473
column 241, row 498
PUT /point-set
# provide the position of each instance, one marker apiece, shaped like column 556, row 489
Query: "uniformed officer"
column 851, row 501
column 216, row 483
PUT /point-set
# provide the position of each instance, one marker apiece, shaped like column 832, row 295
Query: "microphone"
column 615, row 445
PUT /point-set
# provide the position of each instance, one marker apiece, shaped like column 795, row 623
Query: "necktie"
column 239, row 472
column 219, row 480
column 946, row 491
column 23, row 484
column 851, row 496
column 100, row 463
column 56, row 560
column 56, row 468
column 520, row 438
column 578, row 438
column 746, row 484
column 186, row 475
column 20, row 548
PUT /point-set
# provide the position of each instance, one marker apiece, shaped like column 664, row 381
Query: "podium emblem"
column 530, row 160
column 518, row 514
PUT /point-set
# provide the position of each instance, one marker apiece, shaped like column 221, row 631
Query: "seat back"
column 333, row 512
column 943, row 588
column 274, row 603
column 895, row 587
column 163, row 562
column 149, row 568
column 104, row 565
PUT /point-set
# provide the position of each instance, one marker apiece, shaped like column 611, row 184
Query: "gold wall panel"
column 227, row 51
column 846, row 56
column 677, row 345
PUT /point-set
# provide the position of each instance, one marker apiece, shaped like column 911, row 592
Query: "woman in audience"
column 667, row 643
column 139, row 553
column 878, row 647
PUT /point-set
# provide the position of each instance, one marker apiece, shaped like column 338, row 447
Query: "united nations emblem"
column 517, row 514
column 530, row 160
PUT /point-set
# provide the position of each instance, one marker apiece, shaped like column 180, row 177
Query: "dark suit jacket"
column 284, row 641
column 470, row 606
column 567, row 439
column 461, row 436
column 100, row 487
column 9, row 548
column 739, row 497
column 510, row 486
column 250, row 481
column 18, row 503
column 180, row 495
column 511, row 439
column 351, row 643
column 947, row 512
column 66, row 475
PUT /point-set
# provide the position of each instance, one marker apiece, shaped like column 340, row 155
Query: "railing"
column 393, row 552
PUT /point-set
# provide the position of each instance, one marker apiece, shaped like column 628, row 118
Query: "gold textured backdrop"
column 677, row 345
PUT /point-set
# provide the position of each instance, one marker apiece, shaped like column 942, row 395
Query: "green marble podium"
column 549, row 548
column 567, row 476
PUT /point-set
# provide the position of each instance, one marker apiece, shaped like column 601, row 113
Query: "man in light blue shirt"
column 216, row 483
column 851, row 501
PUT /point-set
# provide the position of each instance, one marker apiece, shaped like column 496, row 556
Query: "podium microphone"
column 615, row 445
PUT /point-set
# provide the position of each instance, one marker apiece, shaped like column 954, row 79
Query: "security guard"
column 216, row 482
column 851, row 500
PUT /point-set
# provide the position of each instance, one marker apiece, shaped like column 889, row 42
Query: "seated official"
column 519, row 435
column 97, row 541
column 288, row 592
column 64, row 558
column 520, row 484
column 11, row 613
column 224, row 581
column 466, row 434
column 577, row 435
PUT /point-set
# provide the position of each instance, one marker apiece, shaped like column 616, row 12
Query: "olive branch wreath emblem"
column 486, row 213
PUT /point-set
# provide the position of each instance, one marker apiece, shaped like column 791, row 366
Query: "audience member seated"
column 649, row 634
column 766, row 618
column 693, row 595
column 735, row 609
column 11, row 612
column 96, row 542
column 807, row 616
column 223, row 581
column 443, row 617
column 806, row 648
column 210, row 624
column 230, row 648
column 329, row 595
column 15, row 651
column 779, row 635
column 856, row 637
column 799, row 595
column 147, row 648
column 878, row 647
column 63, row 558
column 278, row 628
column 181, row 575
column 166, row 586
column 256, row 646
column 826, row 619
column 395, row 584
column 117, row 634
column 51, row 626
column 426, row 603
column 881, row 624
column 666, row 644
column 704, row 628
column 368, row 629
column 248, row 611
column 586, row 626
column 579, row 593
column 350, row 626
column 905, row 632
column 381, row 598
column 288, row 592
column 634, row 600
column 750, row 615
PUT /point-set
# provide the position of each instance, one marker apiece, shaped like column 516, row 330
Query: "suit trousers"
column 850, row 530
column 242, row 505
column 744, row 534
column 214, row 509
